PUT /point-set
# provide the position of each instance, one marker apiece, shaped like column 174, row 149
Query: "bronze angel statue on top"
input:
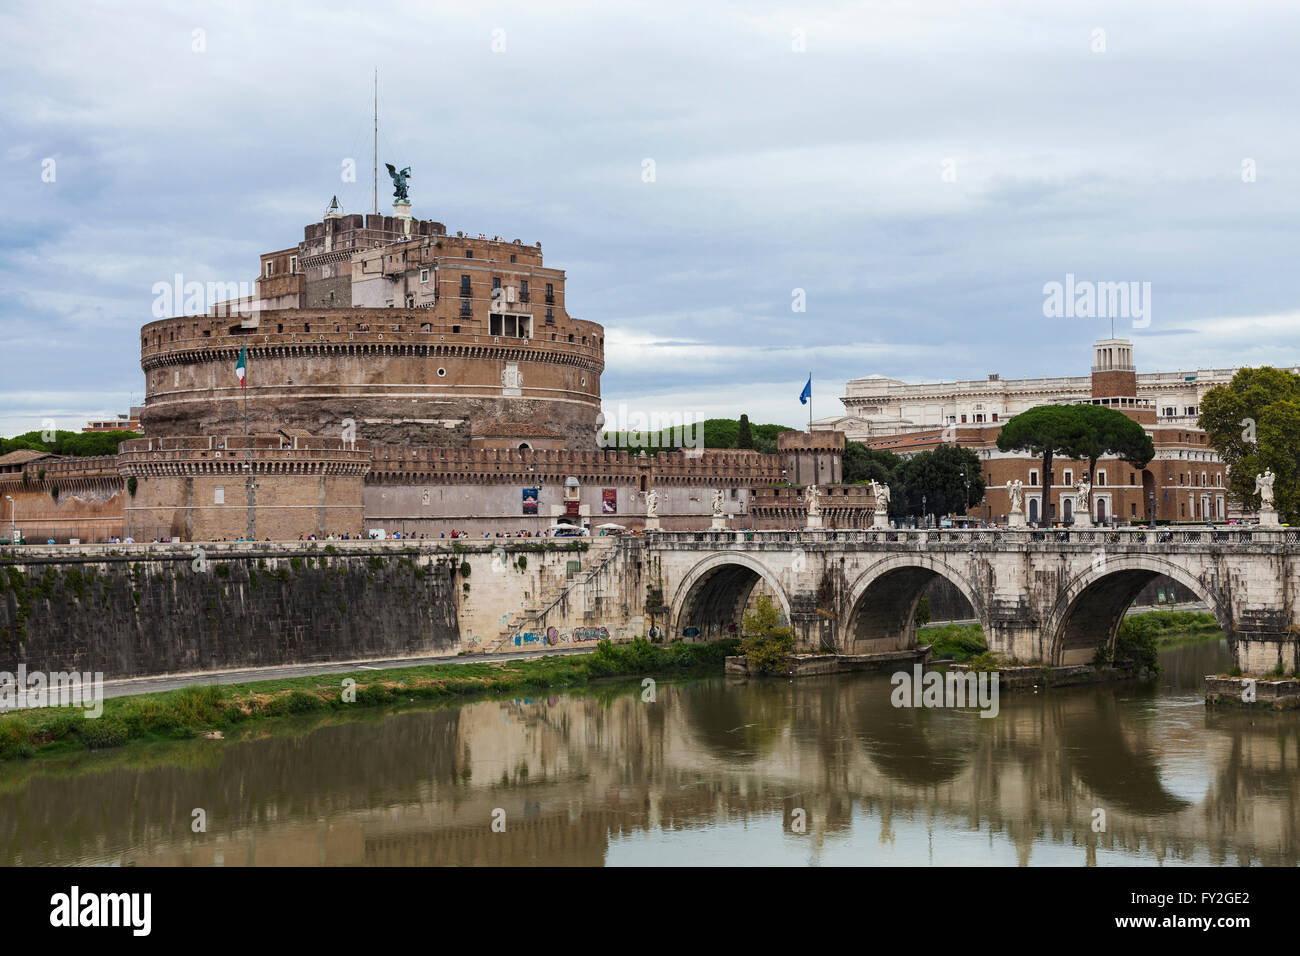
column 399, row 182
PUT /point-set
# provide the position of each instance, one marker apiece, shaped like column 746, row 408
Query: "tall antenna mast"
column 376, row 170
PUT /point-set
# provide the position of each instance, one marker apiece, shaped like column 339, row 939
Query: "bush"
column 103, row 732
column 296, row 702
column 766, row 642
column 923, row 612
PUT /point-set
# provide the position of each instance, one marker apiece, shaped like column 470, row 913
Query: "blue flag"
column 806, row 393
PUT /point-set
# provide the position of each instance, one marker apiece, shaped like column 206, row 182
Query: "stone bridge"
column 1042, row 596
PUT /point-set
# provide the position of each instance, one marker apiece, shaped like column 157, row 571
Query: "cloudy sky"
column 920, row 169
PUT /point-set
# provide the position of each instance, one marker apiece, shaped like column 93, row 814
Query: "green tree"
column 1251, row 423
column 863, row 464
column 744, row 435
column 1049, row 431
column 80, row 444
column 940, row 477
column 765, row 641
column 1108, row 432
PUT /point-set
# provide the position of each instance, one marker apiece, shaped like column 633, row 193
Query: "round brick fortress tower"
column 384, row 329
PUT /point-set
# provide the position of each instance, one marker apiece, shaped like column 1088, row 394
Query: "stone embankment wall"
column 148, row 610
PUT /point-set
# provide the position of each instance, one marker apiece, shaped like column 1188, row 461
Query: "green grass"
column 961, row 642
column 1172, row 628
column 191, row 711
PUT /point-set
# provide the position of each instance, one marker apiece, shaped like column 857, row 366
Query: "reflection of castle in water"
column 575, row 775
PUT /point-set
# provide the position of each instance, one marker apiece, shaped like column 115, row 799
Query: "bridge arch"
column 1090, row 609
column 713, row 594
column 881, row 605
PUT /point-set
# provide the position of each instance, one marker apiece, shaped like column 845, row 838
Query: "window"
column 1132, row 510
column 496, row 282
column 995, row 416
column 293, row 263
column 1101, row 477
column 469, row 253
column 550, row 294
column 523, row 290
column 1033, row 476
column 550, row 320
column 269, row 264
column 464, row 285
column 512, row 257
column 1069, row 476
column 963, row 419
column 424, row 275
column 1132, row 478
column 465, row 310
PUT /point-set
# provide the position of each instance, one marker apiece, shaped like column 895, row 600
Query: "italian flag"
column 242, row 365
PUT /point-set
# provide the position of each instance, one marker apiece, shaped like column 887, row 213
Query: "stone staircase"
column 554, row 584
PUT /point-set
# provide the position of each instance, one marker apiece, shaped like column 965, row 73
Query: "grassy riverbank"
column 196, row 710
column 1140, row 637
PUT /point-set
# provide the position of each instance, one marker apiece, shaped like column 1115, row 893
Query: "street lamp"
column 924, row 517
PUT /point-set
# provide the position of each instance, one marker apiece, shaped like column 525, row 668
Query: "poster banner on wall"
column 609, row 501
column 571, row 509
column 530, row 501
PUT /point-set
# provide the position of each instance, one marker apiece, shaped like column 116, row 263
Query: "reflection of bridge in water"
column 1041, row 596
column 576, row 775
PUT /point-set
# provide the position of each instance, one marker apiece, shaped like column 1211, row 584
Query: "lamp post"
column 924, row 517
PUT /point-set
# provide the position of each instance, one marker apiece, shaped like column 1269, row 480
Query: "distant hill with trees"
column 79, row 444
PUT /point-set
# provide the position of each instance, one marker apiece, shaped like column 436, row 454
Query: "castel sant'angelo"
column 399, row 378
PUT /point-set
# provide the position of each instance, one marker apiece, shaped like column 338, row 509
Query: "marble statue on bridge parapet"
column 812, row 498
column 880, row 514
column 1264, row 487
column 1083, row 503
column 652, row 510
column 1016, row 491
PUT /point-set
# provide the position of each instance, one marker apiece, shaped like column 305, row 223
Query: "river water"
column 817, row 771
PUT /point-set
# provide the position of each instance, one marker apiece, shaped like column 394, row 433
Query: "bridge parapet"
column 1247, row 539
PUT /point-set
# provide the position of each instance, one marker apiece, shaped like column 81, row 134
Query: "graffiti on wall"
column 581, row 634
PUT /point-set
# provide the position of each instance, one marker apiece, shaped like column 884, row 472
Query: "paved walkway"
column 153, row 685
